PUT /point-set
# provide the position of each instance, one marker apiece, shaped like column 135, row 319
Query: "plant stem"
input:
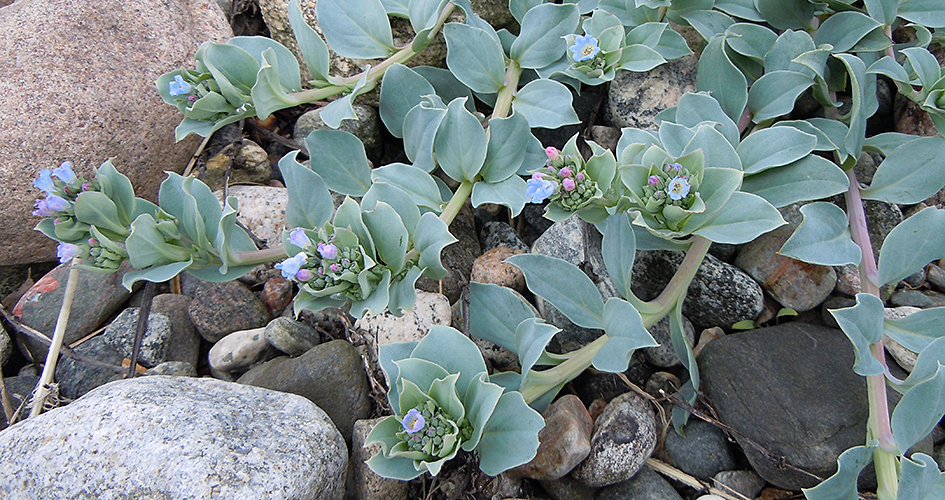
column 263, row 256
column 541, row 382
column 503, row 103
column 49, row 368
column 456, row 202
column 884, row 457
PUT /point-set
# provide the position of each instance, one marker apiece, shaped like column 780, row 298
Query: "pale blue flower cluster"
column 413, row 421
column 291, row 266
column 55, row 202
column 66, row 251
column 539, row 189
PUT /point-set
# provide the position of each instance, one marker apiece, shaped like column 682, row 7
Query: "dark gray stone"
column 175, row 306
column 499, row 234
column 791, row 389
column 160, row 342
column 881, row 218
column 720, row 294
column 219, row 309
column 331, row 375
column 665, row 356
column 744, row 482
column 97, row 297
column 173, row 369
column 703, row 451
column 19, row 389
column 915, row 279
column 646, row 485
column 917, row 298
column 76, row 378
column 291, row 337
column 568, row 488
column 936, row 277
column 176, row 437
column 624, row 437
column 6, row 347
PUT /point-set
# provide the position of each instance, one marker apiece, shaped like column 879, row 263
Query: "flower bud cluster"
column 563, row 181
column 324, row 266
column 436, row 435
column 586, row 55
column 668, row 185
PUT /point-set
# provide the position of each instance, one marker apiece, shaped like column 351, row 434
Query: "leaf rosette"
column 573, row 185
column 443, row 402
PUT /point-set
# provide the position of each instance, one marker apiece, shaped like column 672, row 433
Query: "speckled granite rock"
column 430, row 309
column 262, row 210
column 56, row 110
column 491, row 267
column 362, row 481
column 219, row 309
column 624, row 437
column 192, row 438
column 249, row 165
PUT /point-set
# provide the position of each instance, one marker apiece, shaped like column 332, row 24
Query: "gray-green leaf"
column 912, row 244
column 546, row 104
column 339, row 158
column 823, row 238
column 565, row 286
column 863, row 325
column 359, row 30
column 910, row 175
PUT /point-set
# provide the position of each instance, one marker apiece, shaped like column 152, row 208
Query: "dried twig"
column 5, row 399
column 142, row 327
column 674, row 473
column 44, row 386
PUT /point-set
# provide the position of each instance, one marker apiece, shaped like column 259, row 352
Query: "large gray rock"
column 330, row 375
column 175, row 437
column 791, row 389
column 703, row 451
column 720, row 294
column 645, row 485
column 624, row 437
column 105, row 106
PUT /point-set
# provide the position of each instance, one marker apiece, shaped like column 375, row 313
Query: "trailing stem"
column 884, row 457
column 49, row 368
column 541, row 382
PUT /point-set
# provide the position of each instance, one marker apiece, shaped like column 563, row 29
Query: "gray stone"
column 363, row 482
column 568, row 240
column 291, row 337
column 262, row 210
column 904, row 357
column 100, row 295
column 917, row 298
column 430, row 309
column 19, row 390
column 848, row 280
column 365, row 127
column 76, row 378
column 936, row 277
column 634, row 99
column 744, row 482
column 568, row 488
column 664, row 381
column 499, row 234
column 624, row 437
column 106, row 107
column 793, row 283
column 720, row 294
column 881, row 218
column 790, row 389
column 160, row 342
column 6, row 347
column 939, row 456
column 331, row 375
column 645, row 485
column 238, row 350
column 173, row 369
column 703, row 451
column 219, row 309
column 665, row 356
column 191, row 438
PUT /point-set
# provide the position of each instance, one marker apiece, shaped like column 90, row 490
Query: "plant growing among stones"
column 715, row 170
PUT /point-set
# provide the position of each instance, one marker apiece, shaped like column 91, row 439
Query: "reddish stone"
column 597, row 406
column 565, row 441
column 277, row 295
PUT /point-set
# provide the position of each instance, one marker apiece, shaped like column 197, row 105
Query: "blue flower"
column 65, row 173
column 42, row 210
column 678, row 188
column 44, row 181
column 584, row 48
column 299, row 238
column 179, row 86
column 56, row 203
column 290, row 267
column 539, row 189
column 327, row 250
column 413, row 421
column 66, row 251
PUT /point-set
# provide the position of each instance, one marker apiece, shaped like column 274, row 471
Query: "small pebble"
column 238, row 350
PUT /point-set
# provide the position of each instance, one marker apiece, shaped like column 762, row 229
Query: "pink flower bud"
column 580, row 176
column 565, row 172
column 303, row 275
column 552, row 152
column 538, row 176
column 568, row 184
column 653, row 180
column 334, row 268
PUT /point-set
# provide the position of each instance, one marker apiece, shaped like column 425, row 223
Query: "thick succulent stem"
column 49, row 368
column 885, row 455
